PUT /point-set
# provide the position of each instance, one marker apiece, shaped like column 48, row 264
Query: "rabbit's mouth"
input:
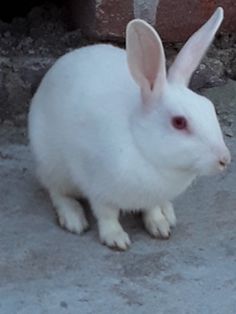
column 209, row 169
column 213, row 163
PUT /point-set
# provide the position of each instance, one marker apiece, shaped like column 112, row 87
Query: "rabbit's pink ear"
column 192, row 52
column 146, row 58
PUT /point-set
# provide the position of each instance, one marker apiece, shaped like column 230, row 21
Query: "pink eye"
column 179, row 123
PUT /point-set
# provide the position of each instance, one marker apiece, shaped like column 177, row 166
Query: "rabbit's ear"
column 192, row 52
column 146, row 58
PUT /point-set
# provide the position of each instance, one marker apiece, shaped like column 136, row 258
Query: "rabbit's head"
column 174, row 127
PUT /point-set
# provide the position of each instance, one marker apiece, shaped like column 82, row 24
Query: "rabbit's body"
column 113, row 167
column 121, row 134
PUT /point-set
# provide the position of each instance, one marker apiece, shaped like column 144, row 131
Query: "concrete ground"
column 44, row 269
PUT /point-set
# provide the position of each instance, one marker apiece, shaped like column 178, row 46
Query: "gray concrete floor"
column 44, row 269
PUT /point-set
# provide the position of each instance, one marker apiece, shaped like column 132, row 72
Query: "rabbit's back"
column 82, row 108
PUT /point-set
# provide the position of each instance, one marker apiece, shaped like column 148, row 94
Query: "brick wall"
column 174, row 19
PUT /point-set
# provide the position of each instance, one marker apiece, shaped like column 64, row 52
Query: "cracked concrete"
column 44, row 269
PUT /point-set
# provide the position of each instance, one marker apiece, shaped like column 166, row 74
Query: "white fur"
column 100, row 127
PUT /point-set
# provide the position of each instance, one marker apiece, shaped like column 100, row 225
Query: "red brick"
column 175, row 20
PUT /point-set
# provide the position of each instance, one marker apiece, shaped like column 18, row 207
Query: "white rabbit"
column 110, row 125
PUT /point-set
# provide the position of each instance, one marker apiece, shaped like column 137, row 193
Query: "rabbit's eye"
column 179, row 122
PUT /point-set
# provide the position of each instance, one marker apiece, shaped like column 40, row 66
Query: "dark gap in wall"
column 22, row 8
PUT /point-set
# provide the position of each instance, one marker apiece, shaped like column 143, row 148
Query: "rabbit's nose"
column 225, row 160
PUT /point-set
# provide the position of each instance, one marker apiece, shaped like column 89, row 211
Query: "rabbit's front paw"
column 70, row 213
column 73, row 221
column 156, row 223
column 112, row 235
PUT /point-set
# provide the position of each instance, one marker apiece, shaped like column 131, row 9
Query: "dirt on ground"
column 44, row 32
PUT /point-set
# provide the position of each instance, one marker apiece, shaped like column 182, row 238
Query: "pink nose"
column 225, row 159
